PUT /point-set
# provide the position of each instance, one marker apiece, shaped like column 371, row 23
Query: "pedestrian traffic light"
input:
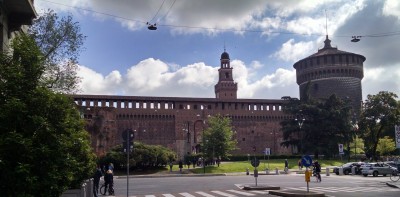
column 127, row 145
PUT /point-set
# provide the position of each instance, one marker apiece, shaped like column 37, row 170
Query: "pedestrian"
column 170, row 166
column 188, row 164
column 300, row 165
column 108, row 182
column 111, row 167
column 194, row 162
column 286, row 166
column 317, row 170
column 180, row 165
column 96, row 180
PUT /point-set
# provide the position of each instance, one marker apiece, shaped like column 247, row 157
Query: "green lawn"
column 239, row 166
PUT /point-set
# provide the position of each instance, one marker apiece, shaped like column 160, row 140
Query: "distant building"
column 331, row 71
column 178, row 122
column 14, row 16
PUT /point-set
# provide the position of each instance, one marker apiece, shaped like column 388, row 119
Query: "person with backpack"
column 109, row 182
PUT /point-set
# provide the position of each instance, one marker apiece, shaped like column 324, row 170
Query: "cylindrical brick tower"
column 331, row 71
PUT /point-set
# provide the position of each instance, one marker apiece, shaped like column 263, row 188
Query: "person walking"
column 286, row 166
column 317, row 169
column 300, row 164
column 108, row 182
column 180, row 165
column 96, row 180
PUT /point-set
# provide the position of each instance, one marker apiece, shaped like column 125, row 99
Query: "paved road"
column 230, row 186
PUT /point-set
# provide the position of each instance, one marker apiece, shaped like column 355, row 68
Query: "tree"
column 218, row 138
column 326, row 124
column 44, row 148
column 386, row 145
column 60, row 42
column 378, row 118
column 144, row 156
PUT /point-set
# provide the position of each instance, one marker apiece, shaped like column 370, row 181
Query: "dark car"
column 347, row 168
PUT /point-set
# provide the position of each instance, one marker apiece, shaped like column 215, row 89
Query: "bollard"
column 340, row 171
column 276, row 171
column 327, row 171
column 266, row 171
column 247, row 171
column 353, row 170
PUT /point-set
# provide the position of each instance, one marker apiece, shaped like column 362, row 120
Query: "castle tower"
column 331, row 71
column 226, row 88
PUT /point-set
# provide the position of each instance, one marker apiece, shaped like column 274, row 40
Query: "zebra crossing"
column 213, row 193
column 344, row 189
column 248, row 193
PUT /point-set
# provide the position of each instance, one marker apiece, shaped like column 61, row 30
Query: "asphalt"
column 274, row 190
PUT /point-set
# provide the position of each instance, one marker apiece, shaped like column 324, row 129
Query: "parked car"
column 376, row 169
column 393, row 164
column 348, row 166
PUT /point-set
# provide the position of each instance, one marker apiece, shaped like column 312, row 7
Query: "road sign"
column 341, row 149
column 255, row 162
column 306, row 160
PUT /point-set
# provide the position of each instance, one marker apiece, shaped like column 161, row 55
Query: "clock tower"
column 226, row 88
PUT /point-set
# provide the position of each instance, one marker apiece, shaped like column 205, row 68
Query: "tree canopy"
column 144, row 156
column 317, row 126
column 60, row 41
column 218, row 138
column 380, row 114
column 44, row 148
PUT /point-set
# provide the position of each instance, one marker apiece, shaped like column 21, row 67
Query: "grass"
column 237, row 166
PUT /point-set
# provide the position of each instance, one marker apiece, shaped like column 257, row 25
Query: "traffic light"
column 128, row 136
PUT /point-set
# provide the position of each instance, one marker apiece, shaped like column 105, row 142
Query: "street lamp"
column 300, row 120
column 355, row 128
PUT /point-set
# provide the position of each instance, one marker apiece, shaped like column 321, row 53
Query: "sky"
column 264, row 38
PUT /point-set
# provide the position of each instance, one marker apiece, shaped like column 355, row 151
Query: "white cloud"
column 95, row 83
column 152, row 77
column 291, row 51
column 381, row 79
column 391, row 8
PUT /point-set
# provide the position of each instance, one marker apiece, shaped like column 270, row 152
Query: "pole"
column 127, row 161
column 204, row 155
column 355, row 148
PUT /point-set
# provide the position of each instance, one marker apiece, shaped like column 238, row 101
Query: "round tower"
column 331, row 71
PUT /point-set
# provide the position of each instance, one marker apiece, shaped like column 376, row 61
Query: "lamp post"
column 355, row 128
column 300, row 120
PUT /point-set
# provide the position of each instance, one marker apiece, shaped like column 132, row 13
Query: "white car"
column 376, row 169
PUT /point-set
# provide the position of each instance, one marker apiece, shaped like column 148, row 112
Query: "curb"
column 168, row 175
column 297, row 193
column 261, row 187
column 392, row 185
